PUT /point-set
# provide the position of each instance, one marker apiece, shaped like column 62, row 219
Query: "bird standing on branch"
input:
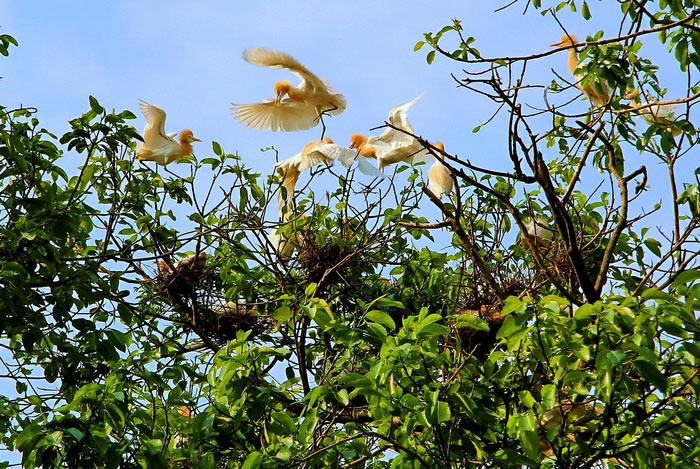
column 393, row 145
column 596, row 91
column 294, row 108
column 661, row 114
column 439, row 177
column 157, row 145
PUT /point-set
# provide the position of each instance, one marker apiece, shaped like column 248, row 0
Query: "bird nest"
column 333, row 262
column 192, row 288
column 475, row 340
column 483, row 303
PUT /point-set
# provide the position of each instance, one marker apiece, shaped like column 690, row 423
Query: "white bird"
column 439, row 177
column 157, row 145
column 596, row 91
column 304, row 105
column 662, row 114
column 392, row 146
column 538, row 228
column 285, row 243
column 314, row 153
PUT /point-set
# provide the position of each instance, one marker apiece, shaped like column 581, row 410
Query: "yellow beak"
column 195, row 139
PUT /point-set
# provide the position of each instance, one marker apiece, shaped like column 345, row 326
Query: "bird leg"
column 320, row 118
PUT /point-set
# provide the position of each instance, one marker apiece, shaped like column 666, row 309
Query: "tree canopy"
column 150, row 321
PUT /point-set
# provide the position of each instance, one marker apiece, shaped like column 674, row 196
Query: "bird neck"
column 295, row 94
column 573, row 60
column 368, row 151
column 185, row 148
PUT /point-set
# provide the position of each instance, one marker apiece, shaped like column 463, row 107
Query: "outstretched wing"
column 154, row 133
column 276, row 59
column 286, row 116
column 331, row 152
column 367, row 168
column 398, row 117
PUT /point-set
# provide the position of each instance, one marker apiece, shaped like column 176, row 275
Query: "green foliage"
column 149, row 320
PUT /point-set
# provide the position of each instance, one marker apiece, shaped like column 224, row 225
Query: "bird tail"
column 143, row 154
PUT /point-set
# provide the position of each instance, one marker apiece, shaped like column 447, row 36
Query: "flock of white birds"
column 304, row 106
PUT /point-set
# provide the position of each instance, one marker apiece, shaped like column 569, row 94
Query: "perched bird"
column 662, row 114
column 285, row 243
column 312, row 154
column 392, row 146
column 294, row 108
column 157, row 145
column 538, row 228
column 439, row 177
column 596, row 91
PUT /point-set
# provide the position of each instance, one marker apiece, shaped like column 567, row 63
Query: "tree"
column 132, row 341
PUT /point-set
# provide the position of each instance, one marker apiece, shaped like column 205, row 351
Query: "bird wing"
column 330, row 152
column 289, row 170
column 276, row 59
column 367, row 168
column 286, row 116
column 155, row 128
column 398, row 117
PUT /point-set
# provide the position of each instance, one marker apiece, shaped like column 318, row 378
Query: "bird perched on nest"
column 294, row 108
column 314, row 153
column 661, row 114
column 157, row 145
column 439, row 177
column 596, row 91
column 393, row 145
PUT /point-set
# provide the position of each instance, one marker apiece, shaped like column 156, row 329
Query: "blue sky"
column 186, row 57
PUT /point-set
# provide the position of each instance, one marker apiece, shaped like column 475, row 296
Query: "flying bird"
column 157, row 145
column 439, row 177
column 294, row 108
column 393, row 145
column 662, row 114
column 314, row 153
column 596, row 91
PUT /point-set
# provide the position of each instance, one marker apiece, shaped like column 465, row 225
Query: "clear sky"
column 186, row 57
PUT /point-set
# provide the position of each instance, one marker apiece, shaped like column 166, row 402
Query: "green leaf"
column 585, row 12
column 153, row 446
column 216, row 148
column 343, row 397
column 654, row 246
column 95, row 106
column 654, row 294
column 530, row 442
column 651, row 373
column 253, row 460
column 282, row 314
column 686, row 278
column 286, row 421
column 418, row 46
column 382, row 318
column 469, row 320
column 430, row 57
column 75, row 433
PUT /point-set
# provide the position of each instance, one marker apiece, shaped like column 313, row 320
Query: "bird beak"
column 557, row 44
column 279, row 97
column 195, row 139
column 352, row 145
